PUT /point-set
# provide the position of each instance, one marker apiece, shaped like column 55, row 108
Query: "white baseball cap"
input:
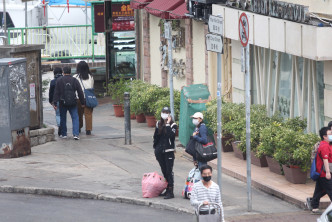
column 197, row 115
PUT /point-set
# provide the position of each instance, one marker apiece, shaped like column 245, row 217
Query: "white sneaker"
column 76, row 138
column 63, row 137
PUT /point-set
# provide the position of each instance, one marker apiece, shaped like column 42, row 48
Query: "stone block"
column 42, row 139
column 34, row 141
column 50, row 137
column 34, row 133
column 46, row 131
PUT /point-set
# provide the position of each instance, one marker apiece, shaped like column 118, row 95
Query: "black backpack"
column 69, row 96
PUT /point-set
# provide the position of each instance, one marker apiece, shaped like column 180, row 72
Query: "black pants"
column 166, row 162
column 323, row 187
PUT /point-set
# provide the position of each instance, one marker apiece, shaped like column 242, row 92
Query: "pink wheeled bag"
column 153, row 185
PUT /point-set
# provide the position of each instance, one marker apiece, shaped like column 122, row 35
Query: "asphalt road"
column 35, row 208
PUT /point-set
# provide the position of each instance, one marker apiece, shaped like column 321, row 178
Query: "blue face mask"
column 330, row 138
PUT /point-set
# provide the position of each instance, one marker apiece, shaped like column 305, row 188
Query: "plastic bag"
column 153, row 184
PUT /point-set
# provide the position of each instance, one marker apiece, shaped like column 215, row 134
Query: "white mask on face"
column 164, row 115
column 195, row 122
column 330, row 138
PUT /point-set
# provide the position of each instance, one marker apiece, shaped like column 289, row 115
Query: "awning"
column 139, row 4
column 161, row 8
column 179, row 12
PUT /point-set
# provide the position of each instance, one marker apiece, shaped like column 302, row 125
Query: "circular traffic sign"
column 244, row 29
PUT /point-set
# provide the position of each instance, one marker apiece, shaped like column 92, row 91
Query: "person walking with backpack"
column 65, row 93
column 57, row 73
column 86, row 81
column 323, row 160
column 164, row 146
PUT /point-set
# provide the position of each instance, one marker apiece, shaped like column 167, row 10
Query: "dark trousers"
column 323, row 187
column 166, row 162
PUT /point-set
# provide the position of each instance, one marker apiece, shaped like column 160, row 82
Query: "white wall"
column 154, row 50
column 198, row 52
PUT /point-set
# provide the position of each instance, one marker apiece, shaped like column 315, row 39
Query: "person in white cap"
column 200, row 133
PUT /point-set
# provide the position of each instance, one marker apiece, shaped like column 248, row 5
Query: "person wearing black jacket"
column 163, row 143
column 59, row 95
column 57, row 73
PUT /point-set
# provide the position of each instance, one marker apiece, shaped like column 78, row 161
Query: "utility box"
column 193, row 99
column 32, row 53
column 14, row 108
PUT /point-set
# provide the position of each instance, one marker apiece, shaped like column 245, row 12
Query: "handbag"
column 190, row 148
column 206, row 152
column 90, row 97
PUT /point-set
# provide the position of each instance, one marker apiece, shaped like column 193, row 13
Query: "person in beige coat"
column 85, row 78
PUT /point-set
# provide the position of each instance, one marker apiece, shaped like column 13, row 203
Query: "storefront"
column 290, row 64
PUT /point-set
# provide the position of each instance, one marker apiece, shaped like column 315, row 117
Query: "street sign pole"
column 244, row 38
column 214, row 43
column 168, row 36
column 248, row 147
column 219, row 126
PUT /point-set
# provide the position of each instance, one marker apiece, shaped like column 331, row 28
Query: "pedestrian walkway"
column 269, row 182
column 102, row 167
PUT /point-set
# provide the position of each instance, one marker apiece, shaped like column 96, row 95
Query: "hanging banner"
column 122, row 17
column 99, row 20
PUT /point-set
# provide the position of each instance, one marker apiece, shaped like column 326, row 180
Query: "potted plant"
column 294, row 153
column 267, row 145
column 233, row 122
column 116, row 89
column 258, row 121
column 137, row 104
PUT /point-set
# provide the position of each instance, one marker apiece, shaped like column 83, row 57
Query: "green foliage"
column 233, row 119
column 165, row 101
column 45, row 84
column 117, row 88
column 210, row 115
column 296, row 124
column 268, row 141
column 294, row 148
column 150, row 99
column 258, row 121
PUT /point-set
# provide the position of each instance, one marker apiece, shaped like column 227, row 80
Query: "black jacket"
column 52, row 88
column 164, row 142
column 60, row 88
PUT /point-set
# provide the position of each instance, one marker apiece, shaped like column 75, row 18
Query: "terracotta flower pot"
column 132, row 116
column 151, row 121
column 295, row 175
column 238, row 153
column 140, row 118
column 118, row 110
column 261, row 162
column 226, row 145
column 274, row 165
column 177, row 132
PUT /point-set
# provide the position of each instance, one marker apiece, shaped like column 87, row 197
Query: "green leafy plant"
column 294, row 148
column 117, row 88
column 165, row 101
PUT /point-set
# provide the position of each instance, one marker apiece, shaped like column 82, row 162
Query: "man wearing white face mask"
column 323, row 162
column 163, row 143
column 200, row 133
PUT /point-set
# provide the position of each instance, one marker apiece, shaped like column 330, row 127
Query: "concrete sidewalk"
column 102, row 167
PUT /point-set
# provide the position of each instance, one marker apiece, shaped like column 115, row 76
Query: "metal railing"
column 61, row 42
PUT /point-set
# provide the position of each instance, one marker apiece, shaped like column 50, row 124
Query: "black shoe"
column 164, row 194
column 59, row 131
column 88, row 132
column 170, row 194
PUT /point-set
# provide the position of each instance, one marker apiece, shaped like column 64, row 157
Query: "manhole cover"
column 1, row 180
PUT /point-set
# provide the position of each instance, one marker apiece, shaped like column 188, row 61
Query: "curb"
column 89, row 195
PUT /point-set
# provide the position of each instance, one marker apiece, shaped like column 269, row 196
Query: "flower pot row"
column 293, row 174
column 140, row 118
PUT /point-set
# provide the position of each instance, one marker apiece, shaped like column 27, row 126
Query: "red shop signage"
column 122, row 17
